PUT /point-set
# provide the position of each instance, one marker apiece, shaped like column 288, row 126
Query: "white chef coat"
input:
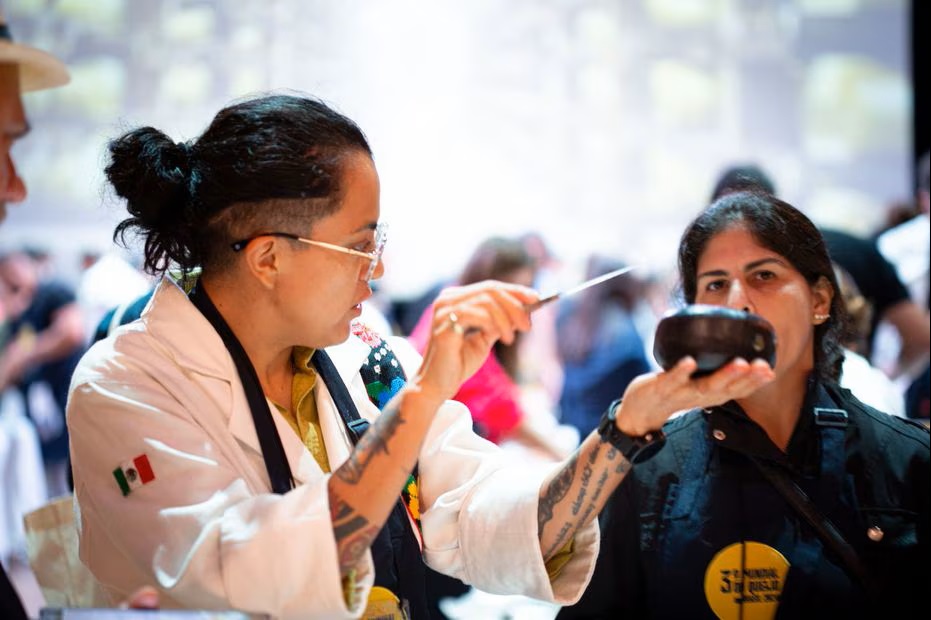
column 208, row 532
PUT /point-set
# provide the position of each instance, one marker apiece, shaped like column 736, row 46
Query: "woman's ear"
column 263, row 259
column 822, row 293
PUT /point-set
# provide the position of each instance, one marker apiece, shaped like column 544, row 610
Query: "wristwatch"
column 634, row 449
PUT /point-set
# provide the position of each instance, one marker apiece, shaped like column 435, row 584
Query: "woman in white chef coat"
column 217, row 443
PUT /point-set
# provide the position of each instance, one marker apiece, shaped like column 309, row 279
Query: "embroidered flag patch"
column 134, row 473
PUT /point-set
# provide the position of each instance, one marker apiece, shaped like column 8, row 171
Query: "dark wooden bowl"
column 713, row 335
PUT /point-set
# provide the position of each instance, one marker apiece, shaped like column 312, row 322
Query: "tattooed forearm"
column 345, row 520
column 554, row 492
column 593, row 504
column 374, row 440
column 594, row 455
column 353, row 549
column 576, row 493
column 600, row 486
column 588, row 513
column 583, row 489
column 561, row 538
column 353, row 533
column 586, row 478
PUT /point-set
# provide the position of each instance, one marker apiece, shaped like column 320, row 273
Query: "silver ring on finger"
column 455, row 324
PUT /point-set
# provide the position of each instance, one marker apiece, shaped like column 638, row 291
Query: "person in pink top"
column 493, row 394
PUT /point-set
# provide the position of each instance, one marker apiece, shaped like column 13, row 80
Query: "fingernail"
column 145, row 600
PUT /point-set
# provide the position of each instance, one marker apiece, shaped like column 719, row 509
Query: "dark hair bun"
column 153, row 174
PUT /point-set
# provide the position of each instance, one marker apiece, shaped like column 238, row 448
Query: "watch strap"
column 634, row 448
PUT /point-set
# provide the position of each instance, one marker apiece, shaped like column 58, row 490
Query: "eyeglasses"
column 373, row 257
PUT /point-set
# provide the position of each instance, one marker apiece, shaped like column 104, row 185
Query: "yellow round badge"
column 383, row 605
column 748, row 575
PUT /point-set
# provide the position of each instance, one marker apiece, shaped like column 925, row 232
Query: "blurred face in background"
column 18, row 282
column 524, row 276
column 13, row 126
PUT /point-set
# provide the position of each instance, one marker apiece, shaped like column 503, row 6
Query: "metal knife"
column 578, row 288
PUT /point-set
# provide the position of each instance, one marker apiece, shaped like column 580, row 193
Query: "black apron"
column 396, row 551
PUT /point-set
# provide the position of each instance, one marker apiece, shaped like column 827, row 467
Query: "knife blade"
column 578, row 288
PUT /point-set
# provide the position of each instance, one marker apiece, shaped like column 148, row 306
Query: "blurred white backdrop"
column 600, row 124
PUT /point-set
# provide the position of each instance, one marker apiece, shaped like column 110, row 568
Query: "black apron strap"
column 355, row 424
column 395, row 551
column 276, row 461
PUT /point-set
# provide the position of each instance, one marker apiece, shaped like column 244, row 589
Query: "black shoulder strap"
column 823, row 526
column 398, row 561
column 276, row 461
column 356, row 424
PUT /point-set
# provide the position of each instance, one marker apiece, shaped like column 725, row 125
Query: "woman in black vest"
column 796, row 500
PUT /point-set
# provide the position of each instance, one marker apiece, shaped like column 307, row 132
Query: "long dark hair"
column 782, row 228
column 269, row 162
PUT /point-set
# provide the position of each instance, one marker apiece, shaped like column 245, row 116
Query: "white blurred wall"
column 601, row 124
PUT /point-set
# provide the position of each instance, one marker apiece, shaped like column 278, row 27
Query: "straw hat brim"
column 38, row 70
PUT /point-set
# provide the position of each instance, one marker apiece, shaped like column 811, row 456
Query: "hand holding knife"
column 543, row 301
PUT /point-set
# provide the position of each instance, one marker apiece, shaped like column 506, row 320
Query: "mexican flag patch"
column 134, row 473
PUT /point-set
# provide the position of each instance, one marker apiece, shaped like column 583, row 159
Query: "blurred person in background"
column 540, row 369
column 893, row 308
column 500, row 405
column 493, row 393
column 22, row 69
column 868, row 383
column 907, row 246
column 107, row 281
column 25, row 69
column 42, row 259
column 599, row 345
column 45, row 343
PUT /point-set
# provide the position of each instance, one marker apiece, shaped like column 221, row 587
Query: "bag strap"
column 381, row 385
column 823, row 526
column 398, row 563
column 276, row 461
column 355, row 424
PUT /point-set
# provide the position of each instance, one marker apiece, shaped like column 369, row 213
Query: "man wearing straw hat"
column 26, row 69
column 22, row 69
